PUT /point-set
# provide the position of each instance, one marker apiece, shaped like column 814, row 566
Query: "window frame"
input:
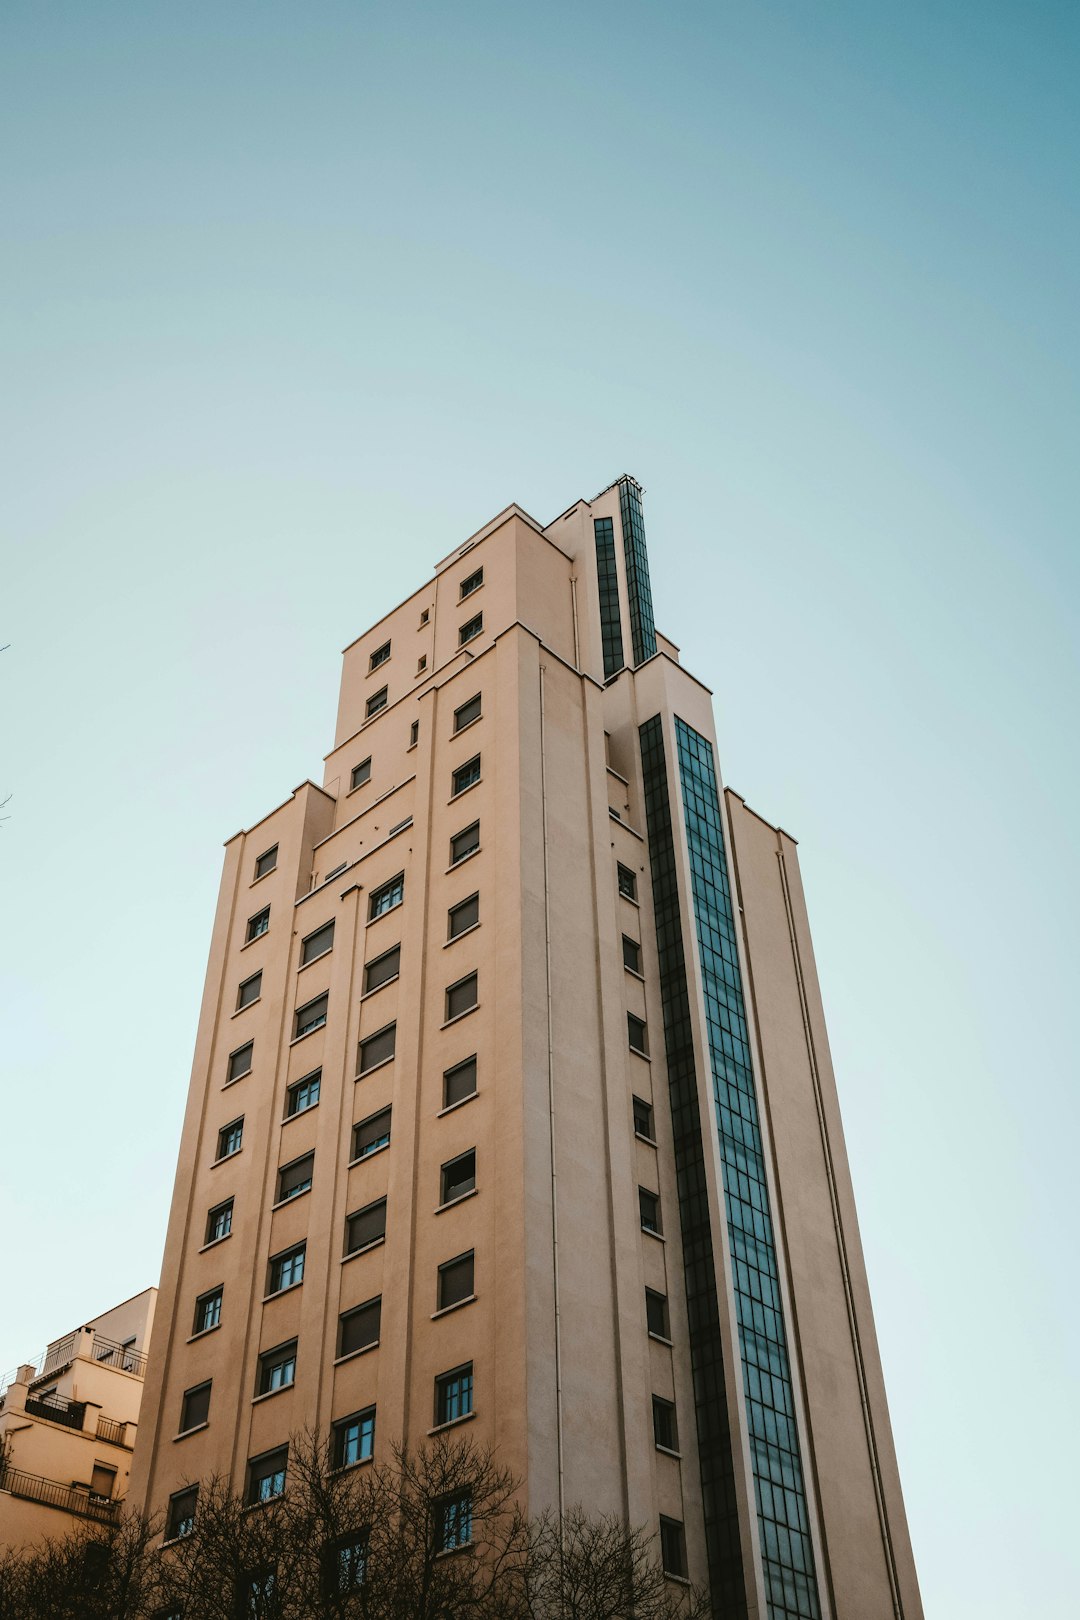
column 224, row 1151
column 637, row 1026
column 300, row 1189
column 455, row 1068
column 458, row 1503
column 474, row 826
column 275, row 1269
column 264, row 871
column 174, row 1525
column 186, row 1425
column 293, row 1090
column 252, row 979
column 463, row 725
column 223, row 1208
column 317, row 956
column 380, row 656
column 453, row 933
column 376, row 703
column 443, row 1383
column 285, row 1352
column 371, row 1242
column 652, row 1295
column 443, row 1270
column 367, row 1067
column 467, row 588
column 635, row 949
column 238, row 1052
column 449, row 1016
column 253, row 1497
column 623, row 872
column 357, row 781
column 471, row 629
column 673, row 1528
column 376, row 895
column 339, row 1430
column 379, row 1144
column 665, row 1411
column 251, row 933
column 457, row 788
column 373, row 1306
column 298, row 1033
column 644, row 1194
column 645, row 1119
column 203, row 1302
column 376, row 961
column 446, row 1198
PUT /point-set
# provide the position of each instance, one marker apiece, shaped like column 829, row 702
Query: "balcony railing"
column 113, row 1432
column 71, row 1498
column 111, row 1354
column 58, row 1410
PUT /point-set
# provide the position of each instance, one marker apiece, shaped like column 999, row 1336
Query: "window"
column 102, row 1480
column 627, row 882
column 295, row 1178
column 359, row 1329
column 240, row 1062
column 461, row 997
column 229, row 1139
column 643, row 1119
column 425, row 615
column 637, row 1035
column 472, row 583
column 464, row 843
column 266, row 1475
column 360, row 774
column 421, row 663
column 649, row 1207
column 656, row 1314
column 379, row 656
column 303, row 1094
column 208, row 1311
column 470, row 630
column 266, row 862
column 414, row 734
column 257, row 1594
column 631, row 954
column 277, row 1368
column 366, row 1227
column 371, row 1134
column 463, row 916
column 458, row 1177
column 180, row 1517
column 466, row 776
column 375, row 702
column 665, row 1431
column 334, row 871
column 453, row 1521
column 219, row 1221
column 354, row 1438
column 467, row 713
column 672, row 1547
column 195, row 1407
column 286, row 1269
column 249, row 991
column 312, row 1015
column 382, row 969
column 459, row 1082
column 377, row 1048
column 258, row 925
column 384, row 899
column 454, row 1394
column 346, row 1563
column 317, row 944
column 455, row 1281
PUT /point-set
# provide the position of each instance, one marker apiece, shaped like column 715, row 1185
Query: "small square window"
column 277, row 1368
column 240, row 1061
column 470, row 630
column 346, row 1563
column 266, row 1475
column 249, row 991
column 375, row 702
column 360, row 774
column 665, row 1429
column 643, row 1119
column 454, row 1394
column 303, row 1094
column 458, row 1177
column 414, row 734
column 649, row 1207
column 195, row 1407
column 382, row 969
column 459, row 1082
column 266, row 862
column 455, row 1281
column 258, row 925
column 295, row 1178
column 180, row 1517
column 425, row 615
column 371, row 1134
column 463, row 916
column 627, row 882
column 219, row 1221
column 365, row 1227
column 472, row 583
column 631, row 954
column 287, row 1269
column 656, row 1314
column 317, row 944
column 672, row 1547
column 359, row 1329
column 386, row 897
column 312, row 1015
column 461, row 997
column 377, row 1048
column 229, row 1139
column 464, row 843
column 637, row 1034
column 208, row 1310
column 379, row 656
column 453, row 1521
column 466, row 776
column 468, row 712
column 354, row 1439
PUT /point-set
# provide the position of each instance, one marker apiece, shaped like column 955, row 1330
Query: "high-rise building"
column 512, row 1105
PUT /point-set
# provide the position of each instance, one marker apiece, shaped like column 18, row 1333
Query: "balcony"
column 121, row 1356
column 78, row 1499
column 72, row 1414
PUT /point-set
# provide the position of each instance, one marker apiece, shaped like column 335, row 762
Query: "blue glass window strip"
column 787, row 1551
column 638, row 588
column 607, row 574
column 719, row 1500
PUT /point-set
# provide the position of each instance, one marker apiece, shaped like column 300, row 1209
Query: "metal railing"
column 71, row 1498
column 58, row 1410
column 108, row 1429
column 112, row 1354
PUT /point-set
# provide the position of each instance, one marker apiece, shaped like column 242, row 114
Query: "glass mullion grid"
column 638, row 586
column 610, row 613
column 787, row 1550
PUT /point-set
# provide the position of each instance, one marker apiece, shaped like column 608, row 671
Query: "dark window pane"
column 208, row 1310
column 454, row 1394
column 180, row 1518
column 366, row 1226
column 360, row 1328
column 317, row 944
column 360, row 774
column 303, row 1094
column 649, row 1206
column 258, row 925
column 382, row 969
column 631, row 954
column 277, row 1368
column 287, row 1269
column 377, row 1048
column 455, row 1280
column 627, row 882
column 637, row 1035
column 266, row 1475
column 240, row 1061
column 461, row 997
column 387, row 897
column 219, row 1221
column 371, row 1133
column 312, row 1015
column 656, row 1313
column 466, row 775
column 379, row 656
column 375, row 702
column 459, row 1082
column 472, row 583
column 470, row 630
column 295, row 1178
column 346, row 1563
column 453, row 1521
column 643, row 1118
column 459, row 1176
column 195, row 1408
column 354, row 1438
column 250, row 991
column 230, row 1138
column 266, row 862
column 414, row 734
column 464, row 842
column 672, row 1547
column 467, row 713
column 665, row 1432
column 463, row 916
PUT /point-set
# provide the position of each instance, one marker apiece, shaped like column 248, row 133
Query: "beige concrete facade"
column 68, row 1422
column 569, row 1122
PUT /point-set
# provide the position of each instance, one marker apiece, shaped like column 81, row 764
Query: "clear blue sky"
column 295, row 297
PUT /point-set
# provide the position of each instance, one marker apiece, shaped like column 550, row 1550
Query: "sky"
column 295, row 298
